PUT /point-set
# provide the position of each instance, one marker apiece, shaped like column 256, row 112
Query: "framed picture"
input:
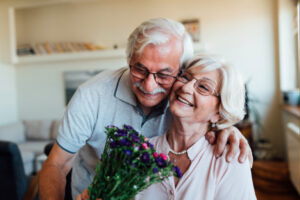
column 73, row 79
column 192, row 26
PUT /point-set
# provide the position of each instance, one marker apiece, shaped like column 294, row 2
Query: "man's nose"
column 150, row 83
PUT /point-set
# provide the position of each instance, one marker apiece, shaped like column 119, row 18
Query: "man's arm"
column 52, row 180
column 237, row 142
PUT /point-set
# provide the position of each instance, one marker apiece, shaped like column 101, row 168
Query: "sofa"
column 31, row 137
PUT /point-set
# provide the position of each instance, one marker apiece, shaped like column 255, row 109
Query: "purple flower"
column 135, row 138
column 113, row 144
column 128, row 127
column 125, row 142
column 128, row 152
column 151, row 145
column 155, row 170
column 121, row 133
column 177, row 171
column 145, row 158
column 160, row 162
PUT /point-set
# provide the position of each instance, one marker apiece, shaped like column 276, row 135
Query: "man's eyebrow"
column 140, row 65
column 168, row 69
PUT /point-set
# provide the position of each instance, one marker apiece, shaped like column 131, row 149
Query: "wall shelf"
column 57, row 57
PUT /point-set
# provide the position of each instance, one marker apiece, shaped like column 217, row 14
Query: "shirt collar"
column 123, row 89
column 193, row 151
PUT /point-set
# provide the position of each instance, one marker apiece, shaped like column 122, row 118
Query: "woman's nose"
column 189, row 86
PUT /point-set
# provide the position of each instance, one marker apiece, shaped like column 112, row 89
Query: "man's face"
column 163, row 59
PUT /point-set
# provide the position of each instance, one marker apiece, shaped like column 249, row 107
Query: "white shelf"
column 100, row 54
column 57, row 57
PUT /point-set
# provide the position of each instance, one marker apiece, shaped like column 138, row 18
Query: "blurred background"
column 49, row 47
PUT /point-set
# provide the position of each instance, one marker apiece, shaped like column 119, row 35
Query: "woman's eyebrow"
column 205, row 78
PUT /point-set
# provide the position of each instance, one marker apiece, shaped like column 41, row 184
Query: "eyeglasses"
column 159, row 77
column 202, row 86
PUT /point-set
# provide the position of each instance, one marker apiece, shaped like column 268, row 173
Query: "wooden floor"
column 267, row 196
column 272, row 182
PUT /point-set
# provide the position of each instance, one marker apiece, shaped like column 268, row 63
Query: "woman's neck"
column 182, row 135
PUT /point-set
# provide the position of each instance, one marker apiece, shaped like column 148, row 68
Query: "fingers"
column 233, row 147
column 221, row 142
column 210, row 137
column 78, row 197
column 244, row 150
column 84, row 195
column 250, row 158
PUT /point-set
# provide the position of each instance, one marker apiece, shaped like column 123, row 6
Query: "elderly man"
column 137, row 96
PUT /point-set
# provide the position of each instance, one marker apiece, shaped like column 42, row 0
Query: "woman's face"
column 188, row 103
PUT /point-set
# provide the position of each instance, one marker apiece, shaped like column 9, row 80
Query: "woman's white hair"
column 232, row 90
column 159, row 31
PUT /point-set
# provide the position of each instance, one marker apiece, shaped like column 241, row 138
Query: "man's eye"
column 161, row 75
column 141, row 70
column 184, row 76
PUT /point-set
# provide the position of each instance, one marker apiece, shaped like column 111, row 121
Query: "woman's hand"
column 84, row 195
column 236, row 142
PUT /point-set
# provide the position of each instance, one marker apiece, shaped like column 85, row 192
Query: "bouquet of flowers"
column 128, row 165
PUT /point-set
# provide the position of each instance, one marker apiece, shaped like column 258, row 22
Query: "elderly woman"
column 207, row 95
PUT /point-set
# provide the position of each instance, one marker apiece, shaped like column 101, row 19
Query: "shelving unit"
column 56, row 57
column 19, row 26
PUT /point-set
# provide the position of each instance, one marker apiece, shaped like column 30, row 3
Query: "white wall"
column 243, row 31
column 8, row 100
column 287, row 44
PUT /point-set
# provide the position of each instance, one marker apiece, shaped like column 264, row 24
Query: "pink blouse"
column 207, row 177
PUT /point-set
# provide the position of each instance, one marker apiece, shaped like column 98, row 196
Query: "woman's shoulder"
column 157, row 139
column 234, row 167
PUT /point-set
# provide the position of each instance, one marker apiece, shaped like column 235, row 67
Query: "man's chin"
column 150, row 100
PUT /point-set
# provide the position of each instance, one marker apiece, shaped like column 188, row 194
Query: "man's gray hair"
column 159, row 31
column 232, row 90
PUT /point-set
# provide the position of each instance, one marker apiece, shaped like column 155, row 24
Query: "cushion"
column 13, row 132
column 36, row 147
column 37, row 129
column 28, row 162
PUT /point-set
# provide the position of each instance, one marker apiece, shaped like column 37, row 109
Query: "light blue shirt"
column 106, row 99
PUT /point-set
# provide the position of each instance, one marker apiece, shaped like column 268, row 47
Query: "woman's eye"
column 203, row 87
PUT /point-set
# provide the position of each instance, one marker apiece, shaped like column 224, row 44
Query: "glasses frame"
column 195, row 84
column 154, row 75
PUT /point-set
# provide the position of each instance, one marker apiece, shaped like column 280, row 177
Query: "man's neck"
column 146, row 110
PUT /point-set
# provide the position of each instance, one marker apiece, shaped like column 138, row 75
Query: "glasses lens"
column 164, row 78
column 184, row 77
column 143, row 73
column 139, row 72
column 204, row 87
